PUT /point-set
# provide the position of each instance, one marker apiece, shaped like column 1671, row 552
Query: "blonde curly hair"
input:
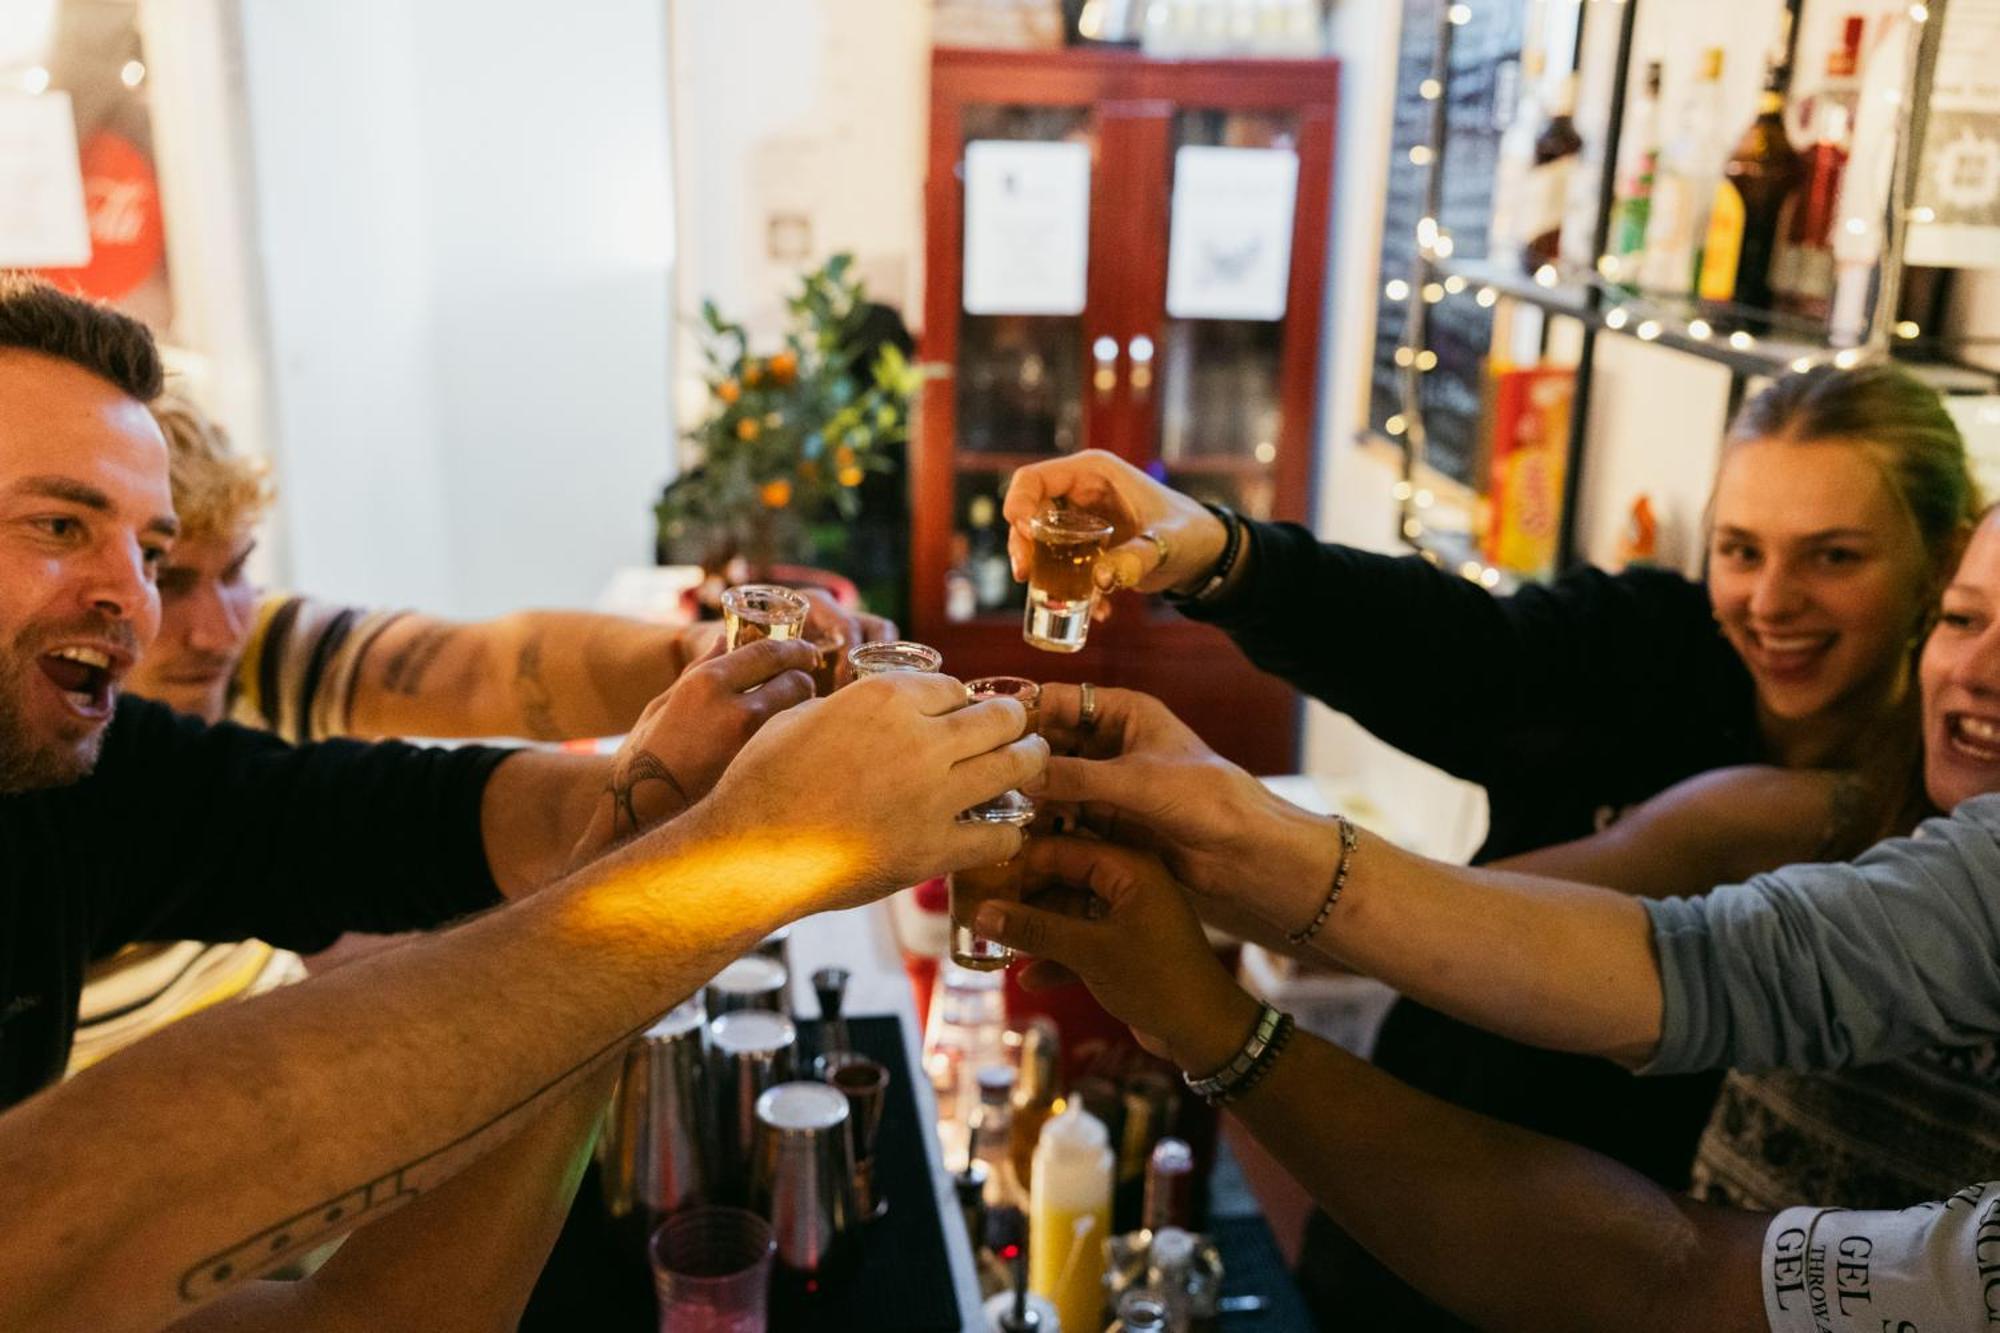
column 217, row 491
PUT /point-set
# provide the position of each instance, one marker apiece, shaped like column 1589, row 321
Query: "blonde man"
column 307, row 669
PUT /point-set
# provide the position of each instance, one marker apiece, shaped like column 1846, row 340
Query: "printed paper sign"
column 1230, row 254
column 1027, row 227
column 42, row 220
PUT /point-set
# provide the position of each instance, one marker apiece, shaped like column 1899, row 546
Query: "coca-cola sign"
column 127, row 237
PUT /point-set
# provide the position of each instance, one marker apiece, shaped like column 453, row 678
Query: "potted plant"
column 789, row 437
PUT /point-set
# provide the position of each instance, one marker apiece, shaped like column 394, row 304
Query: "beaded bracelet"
column 1248, row 1066
column 1349, row 839
column 1232, row 551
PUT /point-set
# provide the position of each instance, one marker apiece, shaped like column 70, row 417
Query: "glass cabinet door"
column 1217, row 374
column 1020, row 368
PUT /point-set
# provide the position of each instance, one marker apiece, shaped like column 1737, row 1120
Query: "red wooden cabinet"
column 1221, row 407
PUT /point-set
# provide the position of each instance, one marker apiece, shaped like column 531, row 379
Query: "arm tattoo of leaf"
column 538, row 714
column 404, row 672
column 634, row 771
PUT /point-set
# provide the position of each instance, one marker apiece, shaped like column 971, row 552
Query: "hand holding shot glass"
column 1062, row 577
column 753, row 611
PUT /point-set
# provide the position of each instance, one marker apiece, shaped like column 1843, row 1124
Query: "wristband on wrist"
column 1232, row 551
column 1246, row 1069
column 1349, row 839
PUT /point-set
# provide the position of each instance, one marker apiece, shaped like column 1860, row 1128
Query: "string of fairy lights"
column 1436, row 276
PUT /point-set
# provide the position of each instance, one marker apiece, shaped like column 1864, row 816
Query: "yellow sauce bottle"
column 1069, row 1217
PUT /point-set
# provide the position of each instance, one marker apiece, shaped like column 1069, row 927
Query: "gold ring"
column 1160, row 545
column 1086, row 713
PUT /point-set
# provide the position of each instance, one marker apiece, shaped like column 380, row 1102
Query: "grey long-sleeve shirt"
column 1820, row 966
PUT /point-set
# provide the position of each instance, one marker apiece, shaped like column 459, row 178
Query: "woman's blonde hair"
column 1899, row 422
column 217, row 491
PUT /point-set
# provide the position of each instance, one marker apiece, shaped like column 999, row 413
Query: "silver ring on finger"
column 1086, row 713
column 1161, row 545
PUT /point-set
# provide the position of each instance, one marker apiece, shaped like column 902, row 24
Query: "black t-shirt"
column 1563, row 701
column 186, row 831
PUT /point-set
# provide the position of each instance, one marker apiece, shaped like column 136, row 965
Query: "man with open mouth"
column 459, row 1071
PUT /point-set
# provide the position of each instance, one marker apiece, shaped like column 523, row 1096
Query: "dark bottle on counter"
column 1756, row 181
column 1557, row 150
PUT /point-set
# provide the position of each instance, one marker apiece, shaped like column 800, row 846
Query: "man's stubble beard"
column 24, row 765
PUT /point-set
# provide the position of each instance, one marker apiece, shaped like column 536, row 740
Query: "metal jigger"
column 830, row 989
column 800, row 1178
column 750, row 1050
column 751, row 982
column 865, row 1084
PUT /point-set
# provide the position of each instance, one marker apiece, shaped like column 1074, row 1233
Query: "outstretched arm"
column 462, row 1259
column 1506, row 1228
column 230, row 1142
column 543, row 675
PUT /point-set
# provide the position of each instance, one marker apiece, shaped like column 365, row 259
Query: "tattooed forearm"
column 404, row 672
column 538, row 714
column 305, row 1230
column 634, row 771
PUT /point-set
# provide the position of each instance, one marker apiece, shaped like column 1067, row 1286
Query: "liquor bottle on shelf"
column 1684, row 186
column 1632, row 207
column 1557, row 149
column 1858, row 232
column 1805, row 282
column 1742, row 233
column 1517, row 114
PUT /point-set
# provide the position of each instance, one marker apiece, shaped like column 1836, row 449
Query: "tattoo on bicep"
column 538, row 714
column 311, row 1227
column 404, row 672
column 633, row 771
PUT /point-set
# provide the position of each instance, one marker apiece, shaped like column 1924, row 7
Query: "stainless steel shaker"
column 803, row 1174
column 657, row 1149
column 749, row 1050
column 753, row 981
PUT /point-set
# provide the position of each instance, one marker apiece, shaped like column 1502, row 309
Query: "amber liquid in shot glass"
column 1062, row 577
column 1020, row 689
column 753, row 611
column 970, row 888
column 826, row 672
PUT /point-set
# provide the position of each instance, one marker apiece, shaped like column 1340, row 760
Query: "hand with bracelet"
column 1162, row 541
column 1137, row 944
column 1257, row 865
column 1579, row 973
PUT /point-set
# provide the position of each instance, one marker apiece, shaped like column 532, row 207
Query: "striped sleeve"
column 299, row 669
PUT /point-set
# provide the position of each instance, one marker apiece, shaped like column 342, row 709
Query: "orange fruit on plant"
column 729, row 391
column 776, row 494
column 747, row 428
column 784, row 367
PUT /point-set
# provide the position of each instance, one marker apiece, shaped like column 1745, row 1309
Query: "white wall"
column 466, row 231
column 813, row 108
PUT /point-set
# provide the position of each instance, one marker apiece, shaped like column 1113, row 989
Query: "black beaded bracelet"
column 1250, row 1063
column 1349, row 839
column 1232, row 551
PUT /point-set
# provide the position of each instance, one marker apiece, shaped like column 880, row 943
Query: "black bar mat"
column 897, row 1279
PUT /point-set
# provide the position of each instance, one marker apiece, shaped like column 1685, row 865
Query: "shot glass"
column 753, row 611
column 970, row 888
column 1020, row 689
column 1062, row 578
column 874, row 659
column 712, row 1271
column 826, row 672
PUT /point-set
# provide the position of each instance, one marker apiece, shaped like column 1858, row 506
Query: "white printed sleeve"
column 1934, row 1268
